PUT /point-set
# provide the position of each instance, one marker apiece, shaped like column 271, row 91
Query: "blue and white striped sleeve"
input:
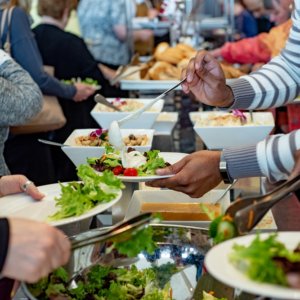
column 276, row 84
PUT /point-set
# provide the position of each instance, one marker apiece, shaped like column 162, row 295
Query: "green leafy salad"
column 78, row 197
column 267, row 260
column 139, row 164
column 103, row 283
column 88, row 81
column 210, row 296
column 221, row 227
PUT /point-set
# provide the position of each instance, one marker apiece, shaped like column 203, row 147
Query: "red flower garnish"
column 98, row 132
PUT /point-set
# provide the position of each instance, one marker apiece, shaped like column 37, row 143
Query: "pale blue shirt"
column 97, row 19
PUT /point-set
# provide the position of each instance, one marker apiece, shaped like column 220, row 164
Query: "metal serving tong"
column 119, row 232
column 247, row 212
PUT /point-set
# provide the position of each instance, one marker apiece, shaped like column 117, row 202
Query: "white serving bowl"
column 145, row 120
column 79, row 154
column 165, row 123
column 219, row 137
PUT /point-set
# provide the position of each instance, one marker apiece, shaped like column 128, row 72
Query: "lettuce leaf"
column 78, row 197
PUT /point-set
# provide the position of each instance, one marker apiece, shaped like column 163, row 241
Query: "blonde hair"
column 24, row 4
column 55, row 8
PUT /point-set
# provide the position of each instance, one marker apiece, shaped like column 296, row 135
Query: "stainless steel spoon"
column 52, row 143
column 102, row 100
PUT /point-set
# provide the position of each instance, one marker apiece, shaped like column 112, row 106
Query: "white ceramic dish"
column 152, row 85
column 145, row 121
column 23, row 206
column 165, row 123
column 79, row 154
column 219, row 266
column 168, row 196
column 219, row 137
column 170, row 157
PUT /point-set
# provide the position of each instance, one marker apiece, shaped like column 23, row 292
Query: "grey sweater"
column 20, row 100
column 276, row 84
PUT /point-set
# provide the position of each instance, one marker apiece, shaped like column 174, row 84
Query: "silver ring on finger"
column 25, row 186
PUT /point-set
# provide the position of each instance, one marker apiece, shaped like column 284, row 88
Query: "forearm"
column 4, row 239
column 20, row 97
column 272, row 158
column 277, row 83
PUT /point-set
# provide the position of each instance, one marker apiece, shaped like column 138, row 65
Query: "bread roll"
column 160, row 49
column 181, row 211
column 171, row 55
column 164, row 71
column 230, row 71
column 185, row 47
column 183, row 63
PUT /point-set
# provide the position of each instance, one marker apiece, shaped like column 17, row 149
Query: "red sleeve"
column 245, row 51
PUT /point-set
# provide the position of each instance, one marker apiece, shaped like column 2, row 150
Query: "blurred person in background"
column 251, row 18
column 20, row 100
column 34, row 158
column 70, row 57
column 29, row 250
column 261, row 48
column 275, row 84
column 104, row 27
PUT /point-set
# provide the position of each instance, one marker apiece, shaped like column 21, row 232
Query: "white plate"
column 219, row 266
column 170, row 157
column 142, row 178
column 23, row 206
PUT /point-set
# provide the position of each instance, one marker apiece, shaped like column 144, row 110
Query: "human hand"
column 12, row 184
column 195, row 174
column 35, row 249
column 83, row 91
column 206, row 80
column 216, row 52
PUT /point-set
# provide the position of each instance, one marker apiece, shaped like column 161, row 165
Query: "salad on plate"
column 78, row 197
column 134, row 163
column 88, row 81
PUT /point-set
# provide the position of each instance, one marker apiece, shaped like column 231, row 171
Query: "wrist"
column 228, row 98
column 227, row 179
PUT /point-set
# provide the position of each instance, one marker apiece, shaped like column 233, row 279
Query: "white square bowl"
column 79, row 154
column 167, row 196
column 145, row 120
column 219, row 137
column 165, row 123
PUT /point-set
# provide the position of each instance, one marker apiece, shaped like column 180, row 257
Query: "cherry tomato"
column 118, row 170
column 130, row 172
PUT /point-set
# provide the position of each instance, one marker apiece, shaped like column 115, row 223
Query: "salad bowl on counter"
column 104, row 115
column 220, row 130
column 175, row 265
column 81, row 143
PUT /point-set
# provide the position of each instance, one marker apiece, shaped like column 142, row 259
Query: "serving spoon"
column 102, row 100
column 115, row 137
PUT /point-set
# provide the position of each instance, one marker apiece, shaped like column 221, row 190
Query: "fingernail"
column 197, row 66
column 189, row 78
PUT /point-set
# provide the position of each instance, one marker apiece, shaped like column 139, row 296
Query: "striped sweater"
column 276, row 84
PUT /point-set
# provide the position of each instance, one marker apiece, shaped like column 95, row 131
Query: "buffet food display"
column 168, row 62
